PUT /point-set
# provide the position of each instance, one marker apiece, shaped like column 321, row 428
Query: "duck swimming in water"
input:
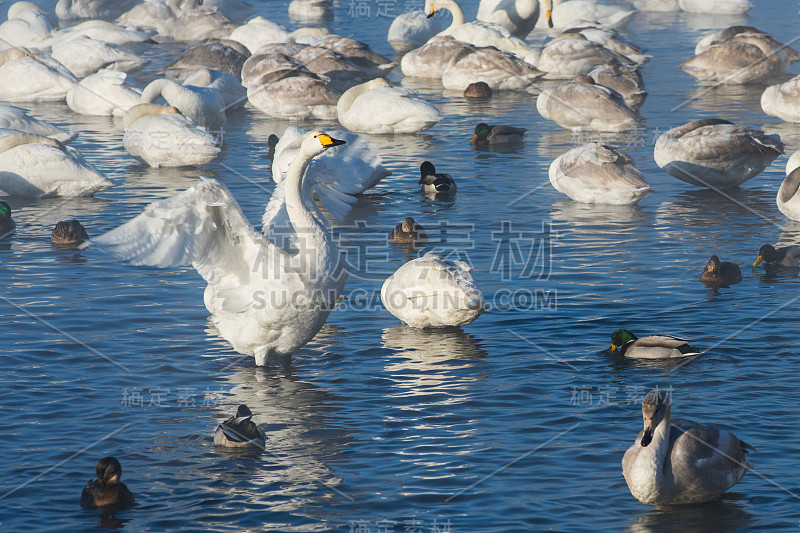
column 7, row 226
column 69, row 233
column 107, row 489
column 788, row 256
column 239, row 430
column 723, row 272
column 433, row 183
column 626, row 344
column 408, row 231
column 486, row 134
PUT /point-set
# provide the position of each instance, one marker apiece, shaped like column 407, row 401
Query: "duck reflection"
column 726, row 514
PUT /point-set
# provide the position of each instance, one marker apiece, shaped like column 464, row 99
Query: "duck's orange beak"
column 474, row 138
column 758, row 261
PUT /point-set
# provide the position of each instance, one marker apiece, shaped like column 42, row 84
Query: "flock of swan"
column 270, row 292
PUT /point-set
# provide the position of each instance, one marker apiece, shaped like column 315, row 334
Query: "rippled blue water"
column 515, row 422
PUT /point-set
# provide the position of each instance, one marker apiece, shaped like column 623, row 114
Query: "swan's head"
column 316, row 142
column 69, row 232
column 766, row 253
column 108, row 470
column 430, row 8
column 655, row 408
column 620, row 337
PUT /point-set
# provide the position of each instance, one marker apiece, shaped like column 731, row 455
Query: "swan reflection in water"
column 726, row 514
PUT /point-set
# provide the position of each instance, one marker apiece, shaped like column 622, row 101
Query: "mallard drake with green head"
column 7, row 226
column 486, row 134
column 626, row 344
column 432, row 183
column 788, row 256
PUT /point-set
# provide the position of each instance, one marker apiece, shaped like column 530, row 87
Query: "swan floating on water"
column 162, row 137
column 107, row 92
column 28, row 76
column 27, row 25
column 499, row 70
column 432, row 292
column 674, row 462
column 204, row 105
column 714, row 152
column 783, row 100
column 584, row 105
column 16, row 118
column 788, row 198
column 84, row 55
column 517, row 16
column 598, row 173
column 412, row 30
column 270, row 312
column 377, row 107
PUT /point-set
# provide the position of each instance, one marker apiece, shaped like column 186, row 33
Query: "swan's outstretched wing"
column 202, row 226
column 336, row 177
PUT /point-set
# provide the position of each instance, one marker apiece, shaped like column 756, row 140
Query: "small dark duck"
column 486, row 134
column 432, row 183
column 479, row 89
column 107, row 489
column 239, row 431
column 408, row 231
column 626, row 344
column 69, row 233
column 722, row 272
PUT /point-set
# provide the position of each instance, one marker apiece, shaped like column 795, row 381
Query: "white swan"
column 610, row 39
column 83, row 55
column 676, row 461
column 233, row 93
column 656, row 5
column 349, row 170
column 744, row 58
column 16, row 118
column 263, row 300
column 27, row 25
column 28, row 76
column 479, row 33
column 411, row 30
column 596, row 173
column 432, row 292
column 788, row 198
column 310, row 10
column 715, row 152
column 716, row 7
column 793, row 162
column 258, row 32
column 566, row 13
column 783, row 100
column 517, row 16
column 38, row 166
column 204, row 105
column 499, row 70
column 282, row 87
column 430, row 60
column 734, row 32
column 162, row 137
column 582, row 104
column 572, row 54
column 201, row 23
column 150, row 14
column 128, row 39
column 377, row 107
column 107, row 92
column 92, row 9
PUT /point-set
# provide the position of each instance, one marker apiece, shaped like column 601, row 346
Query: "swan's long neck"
column 455, row 11
column 651, row 465
column 169, row 89
column 312, row 240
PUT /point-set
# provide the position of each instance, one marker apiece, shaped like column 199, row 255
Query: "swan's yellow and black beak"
column 433, row 10
column 328, row 141
column 549, row 15
column 758, row 261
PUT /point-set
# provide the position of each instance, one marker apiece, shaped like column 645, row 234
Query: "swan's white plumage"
column 163, row 138
column 27, row 76
column 430, row 60
column 37, row 166
column 570, row 55
column 597, row 173
column 204, row 105
column 132, row 40
column 579, row 105
column 16, row 118
column 716, row 7
column 233, row 93
column 263, row 300
column 517, row 16
column 259, row 32
column 715, row 152
column 783, row 100
column 376, row 107
column 566, row 13
column 411, row 30
column 107, row 92
column 27, row 25
column 84, row 55
column 431, row 292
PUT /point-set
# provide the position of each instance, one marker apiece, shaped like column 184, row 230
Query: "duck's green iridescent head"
column 482, row 131
column 620, row 337
column 5, row 211
column 766, row 253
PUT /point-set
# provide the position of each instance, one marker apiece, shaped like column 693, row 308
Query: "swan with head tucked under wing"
column 377, row 107
column 204, row 105
column 264, row 300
